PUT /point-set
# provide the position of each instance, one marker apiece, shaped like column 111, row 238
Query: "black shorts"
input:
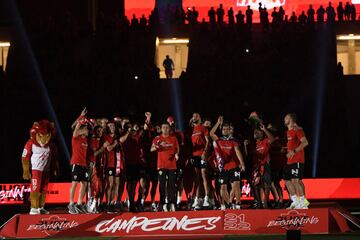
column 152, row 174
column 229, row 176
column 133, row 172
column 110, row 172
column 179, row 173
column 293, row 171
column 276, row 175
column 79, row 173
column 266, row 176
column 198, row 163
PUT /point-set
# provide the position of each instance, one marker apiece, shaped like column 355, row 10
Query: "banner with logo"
column 170, row 224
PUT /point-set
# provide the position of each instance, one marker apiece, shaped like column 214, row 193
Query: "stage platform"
column 322, row 218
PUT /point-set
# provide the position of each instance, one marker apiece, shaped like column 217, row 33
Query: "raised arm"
column 267, row 133
column 77, row 123
column 215, row 127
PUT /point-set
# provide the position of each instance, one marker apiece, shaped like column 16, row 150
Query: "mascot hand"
column 26, row 175
column 26, row 170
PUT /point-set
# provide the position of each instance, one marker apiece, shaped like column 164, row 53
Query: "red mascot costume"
column 38, row 162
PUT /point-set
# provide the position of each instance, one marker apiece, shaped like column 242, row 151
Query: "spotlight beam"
column 29, row 55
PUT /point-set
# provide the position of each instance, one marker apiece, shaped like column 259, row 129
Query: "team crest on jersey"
column 24, row 153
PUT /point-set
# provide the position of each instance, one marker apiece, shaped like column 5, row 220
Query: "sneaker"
column 222, row 207
column 172, row 207
column 199, row 205
column 72, row 209
column 292, row 205
column 127, row 203
column 195, row 203
column 110, row 208
column 132, row 207
column 34, row 211
column 43, row 211
column 89, row 206
column 301, row 205
column 254, row 205
column 165, row 208
column 236, row 206
column 80, row 208
column 212, row 202
column 141, row 208
column 206, row 202
column 178, row 202
column 119, row 206
column 154, row 207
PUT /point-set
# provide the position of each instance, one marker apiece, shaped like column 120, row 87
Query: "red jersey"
column 262, row 154
column 94, row 146
column 79, row 150
column 278, row 158
column 110, row 155
column 293, row 141
column 198, row 139
column 166, row 153
column 225, row 153
column 132, row 151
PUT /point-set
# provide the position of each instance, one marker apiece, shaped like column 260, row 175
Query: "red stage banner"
column 168, row 225
column 316, row 189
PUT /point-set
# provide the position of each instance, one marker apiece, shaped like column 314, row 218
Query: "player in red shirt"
column 230, row 163
column 134, row 161
column 79, row 172
column 151, row 160
column 293, row 172
column 110, row 145
column 200, row 143
column 96, row 170
column 167, row 147
column 278, row 161
column 264, row 139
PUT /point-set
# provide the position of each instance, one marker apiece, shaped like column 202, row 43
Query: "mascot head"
column 42, row 132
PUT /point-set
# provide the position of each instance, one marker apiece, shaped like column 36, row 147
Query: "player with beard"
column 294, row 169
column 230, row 163
column 110, row 145
column 167, row 147
column 133, row 160
column 200, row 142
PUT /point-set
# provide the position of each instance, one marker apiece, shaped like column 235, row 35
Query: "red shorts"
column 39, row 181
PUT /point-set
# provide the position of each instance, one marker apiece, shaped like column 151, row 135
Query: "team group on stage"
column 108, row 156
column 206, row 162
